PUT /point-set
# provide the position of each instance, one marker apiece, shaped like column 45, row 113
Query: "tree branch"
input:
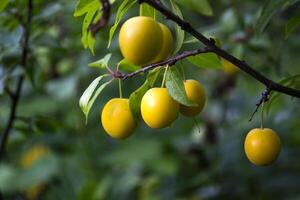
column 16, row 95
column 170, row 61
column 210, row 43
column 104, row 18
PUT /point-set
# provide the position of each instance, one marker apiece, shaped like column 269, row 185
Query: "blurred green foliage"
column 192, row 159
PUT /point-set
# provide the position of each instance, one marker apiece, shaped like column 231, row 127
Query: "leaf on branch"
column 92, row 11
column 201, row 6
column 87, row 38
column 291, row 25
column 90, row 94
column 147, row 10
column 175, row 86
column 136, row 97
column 178, row 30
column 102, row 63
column 191, row 40
column 91, row 42
column 269, row 9
column 206, row 60
column 85, row 6
column 125, row 65
column 126, row 4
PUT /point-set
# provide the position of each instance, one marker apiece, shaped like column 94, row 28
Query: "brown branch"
column 16, row 95
column 210, row 43
column 103, row 19
column 170, row 61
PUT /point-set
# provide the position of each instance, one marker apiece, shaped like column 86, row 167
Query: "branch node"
column 265, row 96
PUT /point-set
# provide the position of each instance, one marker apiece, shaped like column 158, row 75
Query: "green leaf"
column 125, row 65
column 102, row 63
column 89, row 96
column 136, row 97
column 201, row 6
column 91, row 42
column 269, row 9
column 291, row 25
column 191, row 40
column 175, row 86
column 147, row 10
column 206, row 60
column 3, row 4
column 179, row 32
column 85, row 6
column 126, row 4
column 85, row 27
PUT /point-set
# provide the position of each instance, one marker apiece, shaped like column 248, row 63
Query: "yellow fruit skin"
column 262, row 146
column 158, row 109
column 196, row 93
column 117, row 119
column 140, row 40
column 230, row 68
column 28, row 159
column 166, row 45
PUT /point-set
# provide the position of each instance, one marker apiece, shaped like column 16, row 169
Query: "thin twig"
column 15, row 97
column 170, row 62
column 265, row 96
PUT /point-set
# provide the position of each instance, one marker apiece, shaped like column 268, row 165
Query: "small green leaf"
column 191, row 40
column 85, row 26
column 136, row 97
column 175, row 86
column 291, row 25
column 89, row 96
column 85, row 6
column 179, row 32
column 126, row 4
column 206, row 60
column 269, row 9
column 125, row 65
column 91, row 42
column 3, row 4
column 102, row 63
column 147, row 10
column 201, row 6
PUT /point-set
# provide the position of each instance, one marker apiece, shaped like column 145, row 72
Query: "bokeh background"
column 194, row 159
